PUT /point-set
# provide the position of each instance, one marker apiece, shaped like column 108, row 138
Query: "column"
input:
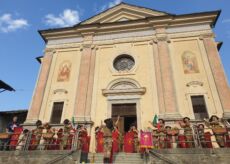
column 165, row 78
column 34, row 111
column 218, row 73
column 85, row 82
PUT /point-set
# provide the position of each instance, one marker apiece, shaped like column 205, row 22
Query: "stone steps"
column 119, row 158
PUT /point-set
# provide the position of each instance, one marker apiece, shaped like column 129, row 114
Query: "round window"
column 123, row 62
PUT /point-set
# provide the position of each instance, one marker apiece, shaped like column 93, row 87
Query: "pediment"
column 123, row 12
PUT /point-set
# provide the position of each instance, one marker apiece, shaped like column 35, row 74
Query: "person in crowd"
column 99, row 139
column 12, row 125
column 10, row 130
column 218, row 130
column 22, row 139
column 188, row 133
column 66, row 135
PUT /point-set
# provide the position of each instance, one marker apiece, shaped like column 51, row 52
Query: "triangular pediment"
column 123, row 12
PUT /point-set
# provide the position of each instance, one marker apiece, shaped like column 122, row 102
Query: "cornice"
column 166, row 21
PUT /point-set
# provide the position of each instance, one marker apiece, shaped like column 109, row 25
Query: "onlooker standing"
column 9, row 129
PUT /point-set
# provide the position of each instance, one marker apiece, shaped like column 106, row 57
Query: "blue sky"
column 20, row 42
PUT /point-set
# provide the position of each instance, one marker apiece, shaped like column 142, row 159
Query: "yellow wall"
column 74, row 56
column 208, row 89
column 143, row 73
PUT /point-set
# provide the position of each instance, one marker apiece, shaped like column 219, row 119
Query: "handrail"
column 74, row 149
column 154, row 153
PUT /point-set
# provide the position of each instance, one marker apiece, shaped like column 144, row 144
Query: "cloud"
column 115, row 2
column 110, row 4
column 8, row 24
column 67, row 18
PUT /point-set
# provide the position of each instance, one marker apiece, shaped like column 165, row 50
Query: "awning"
column 5, row 87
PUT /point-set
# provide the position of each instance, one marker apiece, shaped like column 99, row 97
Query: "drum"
column 4, row 135
column 219, row 130
column 173, row 132
column 48, row 135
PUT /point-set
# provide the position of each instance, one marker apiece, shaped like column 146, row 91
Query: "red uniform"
column 84, row 141
column 14, row 138
column 129, row 142
column 115, row 136
column 100, row 142
column 182, row 140
column 208, row 141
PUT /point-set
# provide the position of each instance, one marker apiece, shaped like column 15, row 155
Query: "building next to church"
column 134, row 62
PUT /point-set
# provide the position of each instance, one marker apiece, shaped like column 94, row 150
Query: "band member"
column 83, row 143
column 48, row 134
column 129, row 142
column 185, row 124
column 107, row 131
column 66, row 137
column 116, row 139
column 155, row 139
column 22, row 139
column 36, row 135
column 116, row 136
column 161, row 132
column 100, row 141
column 218, row 130
column 134, row 130
column 84, row 139
column 200, row 130
column 169, row 137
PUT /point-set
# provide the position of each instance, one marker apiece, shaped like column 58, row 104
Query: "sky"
column 20, row 42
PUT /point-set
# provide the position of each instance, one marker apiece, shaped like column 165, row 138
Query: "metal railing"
column 39, row 141
column 205, row 138
column 160, row 140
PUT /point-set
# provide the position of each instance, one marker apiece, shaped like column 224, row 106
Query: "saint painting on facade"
column 190, row 63
column 64, row 71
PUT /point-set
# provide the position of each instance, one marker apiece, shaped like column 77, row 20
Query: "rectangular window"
column 199, row 107
column 57, row 113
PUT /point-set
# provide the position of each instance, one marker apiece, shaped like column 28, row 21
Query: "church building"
column 134, row 62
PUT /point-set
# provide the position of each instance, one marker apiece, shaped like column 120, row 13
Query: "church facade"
column 133, row 62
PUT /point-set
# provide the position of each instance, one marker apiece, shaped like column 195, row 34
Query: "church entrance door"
column 128, row 116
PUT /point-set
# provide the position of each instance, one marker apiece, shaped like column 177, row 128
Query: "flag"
column 73, row 120
column 155, row 120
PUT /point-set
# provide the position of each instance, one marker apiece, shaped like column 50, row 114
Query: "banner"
column 146, row 140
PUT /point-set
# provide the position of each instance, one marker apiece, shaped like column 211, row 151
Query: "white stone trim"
column 65, row 41
column 123, row 35
column 188, row 28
